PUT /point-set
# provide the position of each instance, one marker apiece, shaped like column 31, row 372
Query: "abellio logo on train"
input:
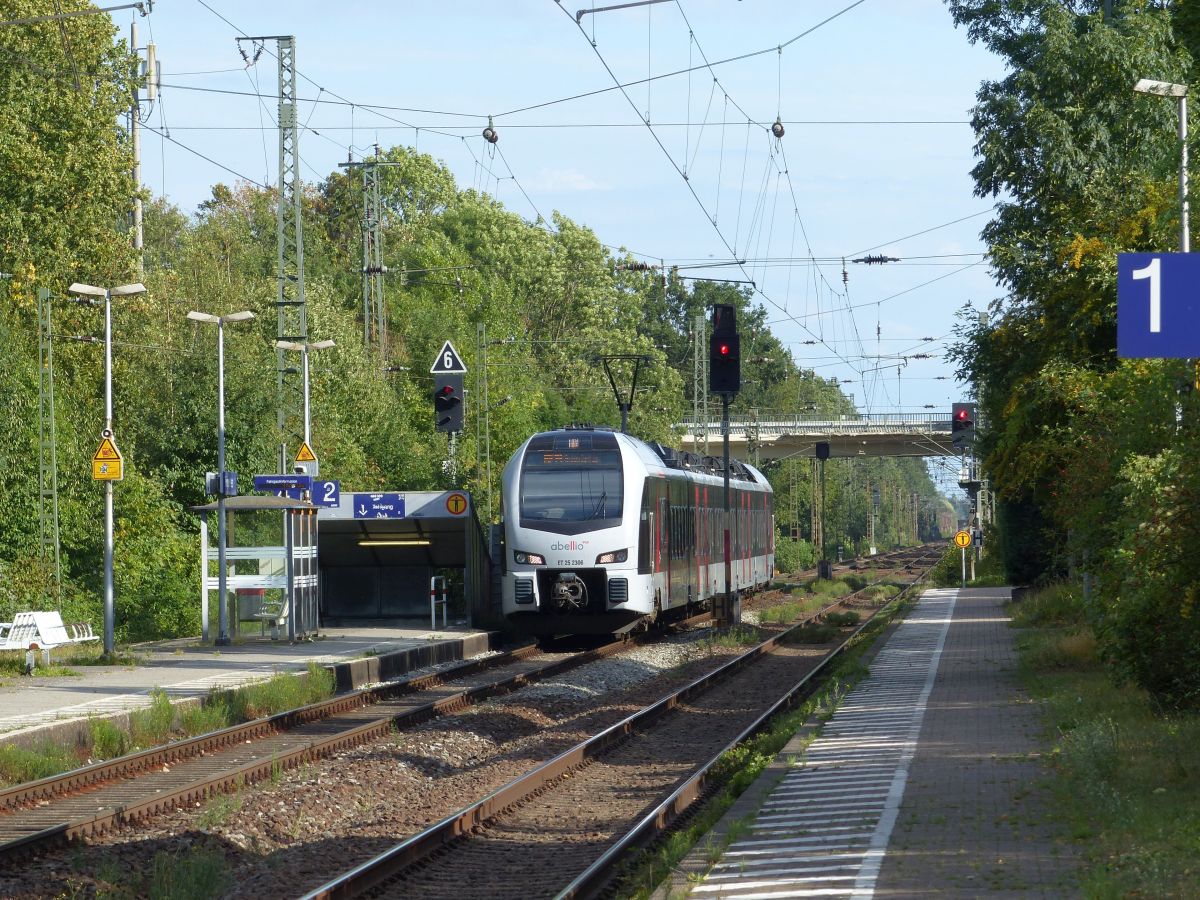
column 568, row 545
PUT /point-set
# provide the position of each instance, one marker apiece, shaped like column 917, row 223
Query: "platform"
column 926, row 781
column 36, row 709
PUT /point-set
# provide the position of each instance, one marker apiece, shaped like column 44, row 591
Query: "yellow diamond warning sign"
column 107, row 463
column 305, row 454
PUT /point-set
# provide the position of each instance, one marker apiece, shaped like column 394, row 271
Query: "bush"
column 842, row 620
column 1146, row 613
column 1058, row 604
column 108, row 741
column 792, row 556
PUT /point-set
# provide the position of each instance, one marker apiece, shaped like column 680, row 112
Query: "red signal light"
column 723, row 349
column 963, row 415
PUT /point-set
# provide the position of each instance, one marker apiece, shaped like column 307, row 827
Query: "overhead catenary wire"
column 692, row 190
column 763, row 222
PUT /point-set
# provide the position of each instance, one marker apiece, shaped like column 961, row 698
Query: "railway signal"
column 448, row 402
column 724, row 352
column 962, row 425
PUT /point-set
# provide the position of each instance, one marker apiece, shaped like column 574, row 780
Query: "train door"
column 664, row 552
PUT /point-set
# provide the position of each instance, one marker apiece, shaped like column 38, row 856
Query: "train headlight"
column 521, row 558
column 613, row 556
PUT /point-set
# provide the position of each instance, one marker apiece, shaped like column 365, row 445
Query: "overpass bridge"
column 750, row 439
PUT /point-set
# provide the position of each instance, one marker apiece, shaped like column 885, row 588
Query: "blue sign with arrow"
column 1158, row 305
column 378, row 506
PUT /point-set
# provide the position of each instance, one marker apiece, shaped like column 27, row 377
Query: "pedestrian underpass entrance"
column 378, row 551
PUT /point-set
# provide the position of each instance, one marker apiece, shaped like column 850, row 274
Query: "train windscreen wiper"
column 598, row 509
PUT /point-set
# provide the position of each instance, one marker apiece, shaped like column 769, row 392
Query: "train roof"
column 654, row 453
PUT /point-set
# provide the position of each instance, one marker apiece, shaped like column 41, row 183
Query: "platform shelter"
column 378, row 552
column 271, row 554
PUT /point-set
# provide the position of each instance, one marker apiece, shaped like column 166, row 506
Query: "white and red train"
column 603, row 532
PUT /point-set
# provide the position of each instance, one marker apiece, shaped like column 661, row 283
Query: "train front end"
column 571, row 514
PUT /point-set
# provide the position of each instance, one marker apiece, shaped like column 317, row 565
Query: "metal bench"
column 34, row 631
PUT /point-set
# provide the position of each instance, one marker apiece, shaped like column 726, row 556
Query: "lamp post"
column 124, row 290
column 219, row 321
column 1168, row 89
column 304, row 349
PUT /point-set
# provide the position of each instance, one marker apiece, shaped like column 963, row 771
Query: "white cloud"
column 563, row 181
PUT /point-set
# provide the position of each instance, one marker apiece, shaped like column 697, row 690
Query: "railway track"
column 89, row 801
column 562, row 828
column 86, row 803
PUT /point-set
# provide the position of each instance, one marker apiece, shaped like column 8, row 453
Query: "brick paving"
column 976, row 818
column 927, row 781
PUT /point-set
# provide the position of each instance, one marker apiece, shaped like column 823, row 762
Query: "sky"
column 874, row 97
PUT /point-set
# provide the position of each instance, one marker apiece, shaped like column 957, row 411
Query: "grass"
column 219, row 810
column 200, row 872
column 63, row 660
column 814, row 633
column 733, row 638
column 18, row 765
column 1127, row 777
column 789, row 612
column 158, row 724
column 878, row 593
column 739, row 768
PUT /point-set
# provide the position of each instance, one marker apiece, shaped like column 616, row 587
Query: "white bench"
column 33, row 631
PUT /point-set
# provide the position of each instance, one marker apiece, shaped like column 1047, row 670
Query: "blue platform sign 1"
column 327, row 493
column 378, row 506
column 278, row 483
column 1158, row 305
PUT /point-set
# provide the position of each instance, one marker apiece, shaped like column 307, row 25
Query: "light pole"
column 304, row 349
column 124, row 290
column 219, row 321
column 1168, row 89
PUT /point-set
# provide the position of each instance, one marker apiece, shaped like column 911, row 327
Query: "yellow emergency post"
column 107, row 462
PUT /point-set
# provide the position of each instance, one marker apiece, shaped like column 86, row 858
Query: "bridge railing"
column 873, row 423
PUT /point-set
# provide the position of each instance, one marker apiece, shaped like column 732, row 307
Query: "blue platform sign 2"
column 378, row 506
column 1158, row 305
column 327, row 493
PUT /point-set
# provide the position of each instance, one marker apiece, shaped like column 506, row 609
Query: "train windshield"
column 570, row 491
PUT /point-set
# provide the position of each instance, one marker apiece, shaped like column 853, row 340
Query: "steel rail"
column 132, row 764
column 382, row 868
column 129, row 767
column 659, row 819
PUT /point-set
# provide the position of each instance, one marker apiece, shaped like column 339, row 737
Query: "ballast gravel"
column 290, row 834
